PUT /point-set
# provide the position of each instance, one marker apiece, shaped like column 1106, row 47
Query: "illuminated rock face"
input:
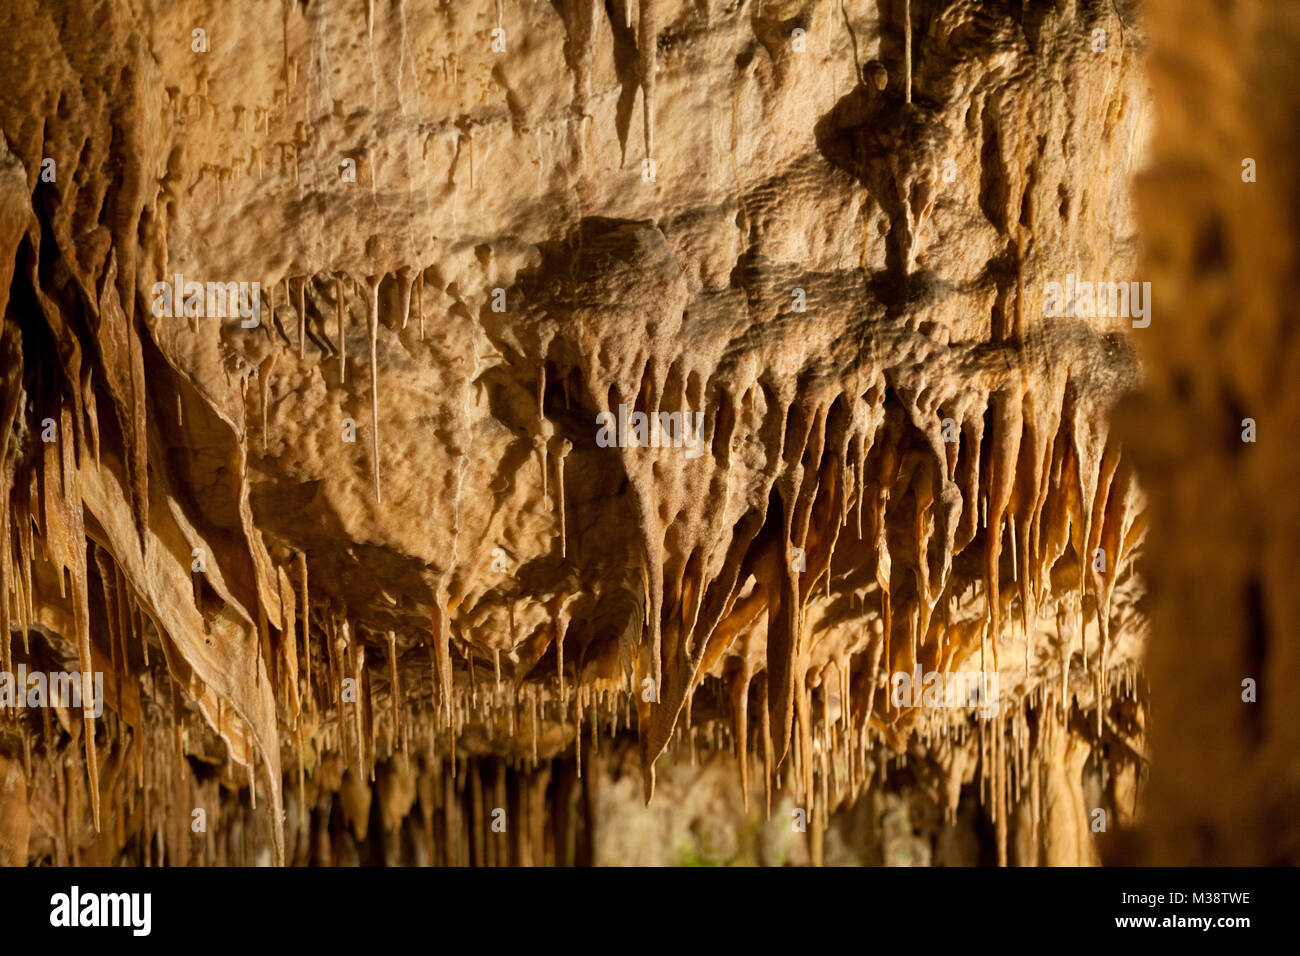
column 639, row 384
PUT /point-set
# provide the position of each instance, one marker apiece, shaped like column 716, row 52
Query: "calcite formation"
column 316, row 317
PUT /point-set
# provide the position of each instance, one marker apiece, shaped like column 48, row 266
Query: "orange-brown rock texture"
column 1214, row 433
column 448, row 426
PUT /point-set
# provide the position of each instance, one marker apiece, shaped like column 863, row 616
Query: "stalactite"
column 441, row 652
column 340, row 306
column 393, row 692
column 306, row 629
column 545, row 430
column 419, row 300
column 302, row 304
column 563, row 449
column 264, row 391
column 907, row 51
column 648, row 48
column 372, row 324
column 404, row 285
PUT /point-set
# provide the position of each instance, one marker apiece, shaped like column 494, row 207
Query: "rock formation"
column 449, row 425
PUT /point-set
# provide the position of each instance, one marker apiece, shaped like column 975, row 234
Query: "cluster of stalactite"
column 169, row 798
column 813, row 705
column 878, row 496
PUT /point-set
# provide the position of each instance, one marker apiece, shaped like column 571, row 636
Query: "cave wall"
column 379, row 537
